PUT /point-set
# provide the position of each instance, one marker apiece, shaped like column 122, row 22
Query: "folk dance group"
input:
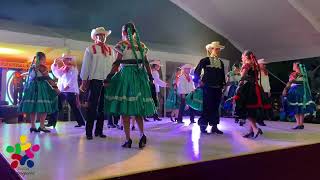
column 120, row 81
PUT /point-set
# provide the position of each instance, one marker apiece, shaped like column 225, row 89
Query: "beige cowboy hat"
column 157, row 62
column 99, row 30
column 187, row 66
column 262, row 61
column 67, row 56
column 214, row 44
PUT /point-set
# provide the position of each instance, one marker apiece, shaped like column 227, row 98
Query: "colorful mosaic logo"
column 22, row 153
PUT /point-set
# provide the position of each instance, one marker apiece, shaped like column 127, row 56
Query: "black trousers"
column 211, row 102
column 95, row 107
column 182, row 109
column 72, row 100
column 17, row 95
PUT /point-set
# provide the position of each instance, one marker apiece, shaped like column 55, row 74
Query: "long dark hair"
column 249, row 54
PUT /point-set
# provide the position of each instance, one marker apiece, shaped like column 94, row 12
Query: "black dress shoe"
column 101, row 135
column 48, row 125
column 127, row 144
column 34, row 130
column 236, row 120
column 89, row 137
column 78, row 126
column 43, row 130
column 142, row 142
column 262, row 124
column 145, row 119
column 171, row 118
column 242, row 122
column 111, row 126
column 258, row 133
column 157, row 119
column 216, row 131
column 249, row 135
column 298, row 127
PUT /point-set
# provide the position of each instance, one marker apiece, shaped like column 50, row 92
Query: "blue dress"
column 299, row 97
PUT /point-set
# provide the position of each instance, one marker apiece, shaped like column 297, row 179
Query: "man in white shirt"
column 96, row 65
column 185, row 86
column 68, row 85
column 265, row 83
column 155, row 67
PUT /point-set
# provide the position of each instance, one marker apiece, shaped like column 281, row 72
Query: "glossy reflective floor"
column 66, row 154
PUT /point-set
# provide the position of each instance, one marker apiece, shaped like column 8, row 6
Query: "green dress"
column 173, row 101
column 38, row 95
column 129, row 91
column 195, row 99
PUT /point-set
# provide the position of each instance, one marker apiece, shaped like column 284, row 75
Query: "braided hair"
column 131, row 30
column 306, row 86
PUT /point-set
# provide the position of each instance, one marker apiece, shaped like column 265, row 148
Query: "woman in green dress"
column 173, row 101
column 40, row 93
column 128, row 91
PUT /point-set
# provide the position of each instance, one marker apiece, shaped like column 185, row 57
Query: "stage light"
column 9, row 51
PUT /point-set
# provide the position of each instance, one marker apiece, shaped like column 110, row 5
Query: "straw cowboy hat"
column 67, row 56
column 262, row 61
column 157, row 62
column 187, row 66
column 99, row 30
column 214, row 44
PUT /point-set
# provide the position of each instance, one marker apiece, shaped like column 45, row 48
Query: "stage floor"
column 66, row 154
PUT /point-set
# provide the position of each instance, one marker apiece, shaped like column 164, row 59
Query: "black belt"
column 130, row 61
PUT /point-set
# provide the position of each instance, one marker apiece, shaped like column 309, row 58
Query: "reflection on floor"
column 66, row 154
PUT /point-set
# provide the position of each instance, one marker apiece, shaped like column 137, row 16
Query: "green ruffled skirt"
column 39, row 97
column 195, row 99
column 129, row 93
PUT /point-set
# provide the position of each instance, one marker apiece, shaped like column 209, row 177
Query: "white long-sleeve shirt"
column 65, row 79
column 265, row 83
column 157, row 81
column 185, row 86
column 96, row 65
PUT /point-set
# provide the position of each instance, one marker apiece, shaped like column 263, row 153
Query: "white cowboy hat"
column 99, row 30
column 214, row 44
column 157, row 62
column 262, row 61
column 67, row 56
column 186, row 66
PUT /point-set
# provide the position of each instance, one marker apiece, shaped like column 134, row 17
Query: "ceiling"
column 162, row 25
column 25, row 53
column 275, row 29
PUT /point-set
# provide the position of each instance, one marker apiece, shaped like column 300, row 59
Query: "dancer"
column 213, row 81
column 96, row 65
column 68, row 85
column 129, row 93
column 185, row 87
column 265, row 83
column 233, row 78
column 298, row 95
column 155, row 67
column 250, row 99
column 17, row 87
column 40, row 93
column 173, row 101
